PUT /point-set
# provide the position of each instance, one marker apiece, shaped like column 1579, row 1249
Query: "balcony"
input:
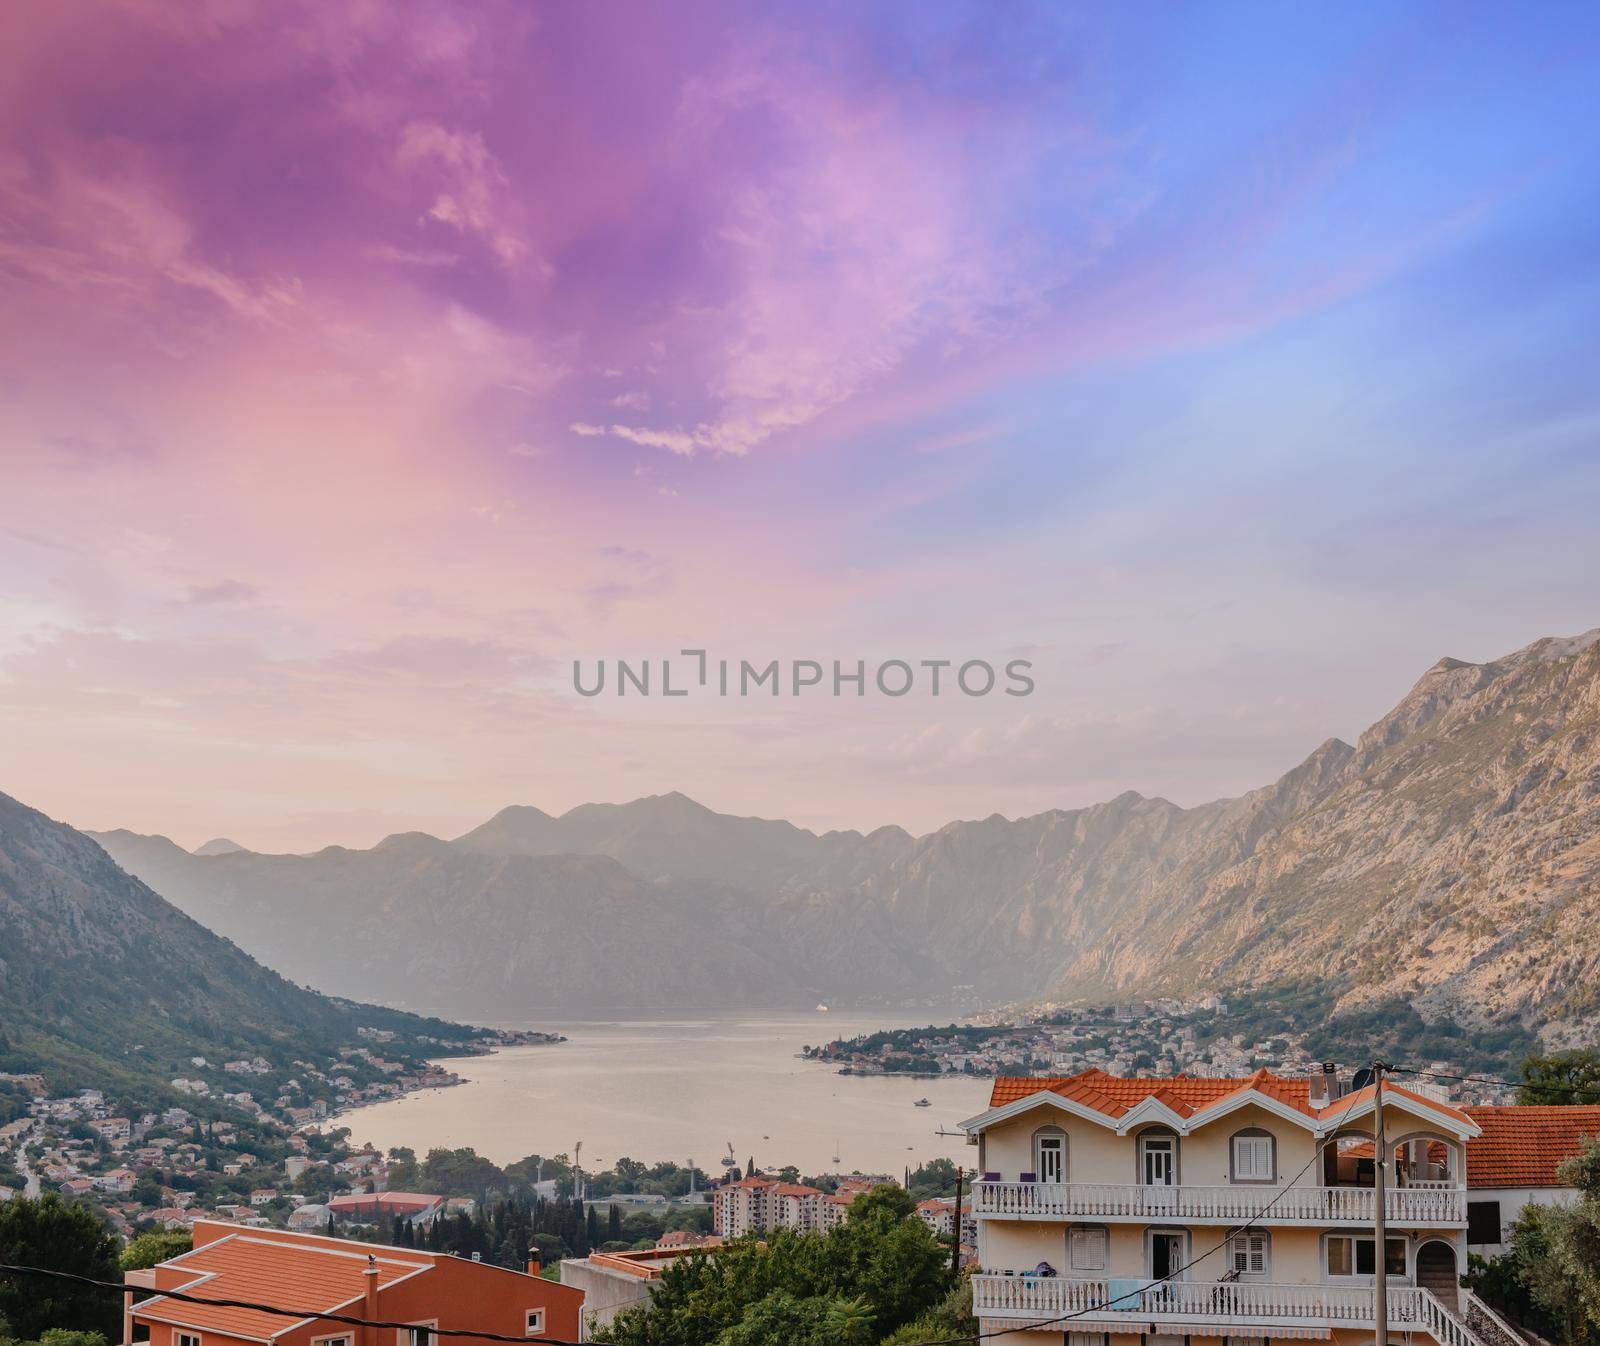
column 1209, row 1308
column 1429, row 1207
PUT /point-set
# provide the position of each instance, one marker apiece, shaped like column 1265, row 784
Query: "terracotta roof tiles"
column 1522, row 1145
column 1185, row 1094
column 279, row 1274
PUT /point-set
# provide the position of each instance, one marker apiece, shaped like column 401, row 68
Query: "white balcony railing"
column 1211, row 1304
column 1414, row 1206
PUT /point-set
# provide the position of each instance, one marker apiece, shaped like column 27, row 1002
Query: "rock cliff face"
column 1452, row 856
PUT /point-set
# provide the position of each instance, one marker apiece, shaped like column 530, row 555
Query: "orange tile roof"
column 1522, row 1145
column 1115, row 1095
column 276, row 1273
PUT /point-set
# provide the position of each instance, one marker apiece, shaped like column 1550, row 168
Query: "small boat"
column 922, row 1103
column 822, row 1009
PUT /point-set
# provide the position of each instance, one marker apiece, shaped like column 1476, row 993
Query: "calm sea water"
column 684, row 1088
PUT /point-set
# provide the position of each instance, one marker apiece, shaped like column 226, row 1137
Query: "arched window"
column 1253, row 1155
column 1050, row 1154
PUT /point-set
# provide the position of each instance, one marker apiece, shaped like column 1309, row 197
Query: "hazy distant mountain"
column 104, row 983
column 1452, row 855
column 218, row 846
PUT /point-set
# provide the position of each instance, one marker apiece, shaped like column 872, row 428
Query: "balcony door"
column 1158, row 1161
column 1167, row 1255
column 1050, row 1157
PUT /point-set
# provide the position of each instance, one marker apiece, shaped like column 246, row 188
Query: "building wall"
column 606, row 1293
column 1512, row 1201
column 1096, row 1154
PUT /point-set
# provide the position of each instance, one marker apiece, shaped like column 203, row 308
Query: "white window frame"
column 1262, row 1147
column 346, row 1337
column 1095, row 1243
column 403, row 1337
column 180, row 1338
column 534, row 1323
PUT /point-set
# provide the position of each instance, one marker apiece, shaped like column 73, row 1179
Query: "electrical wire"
column 1590, row 1090
column 301, row 1314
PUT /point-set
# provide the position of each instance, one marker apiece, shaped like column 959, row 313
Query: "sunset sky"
column 363, row 364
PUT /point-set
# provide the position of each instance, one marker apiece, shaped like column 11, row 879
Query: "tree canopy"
column 878, row 1273
column 1562, row 1077
column 56, row 1236
column 1555, row 1251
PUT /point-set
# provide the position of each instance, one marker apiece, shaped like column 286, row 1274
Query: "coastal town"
column 1197, row 1036
column 253, row 1141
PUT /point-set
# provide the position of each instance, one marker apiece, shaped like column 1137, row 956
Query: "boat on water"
column 822, row 1009
column 922, row 1103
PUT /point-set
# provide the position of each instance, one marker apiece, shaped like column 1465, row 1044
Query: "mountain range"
column 105, row 984
column 1451, row 857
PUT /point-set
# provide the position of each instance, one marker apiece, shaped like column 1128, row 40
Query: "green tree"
column 850, row 1321
column 156, row 1246
column 1556, row 1251
column 64, row 1336
column 874, row 1274
column 53, row 1235
column 1562, row 1077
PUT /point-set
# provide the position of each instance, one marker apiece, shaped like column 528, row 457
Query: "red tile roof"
column 279, row 1274
column 1115, row 1095
column 1186, row 1095
column 1521, row 1146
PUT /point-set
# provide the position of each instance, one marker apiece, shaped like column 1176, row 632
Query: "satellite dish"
column 1362, row 1079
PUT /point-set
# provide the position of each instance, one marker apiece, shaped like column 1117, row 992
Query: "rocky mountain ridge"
column 1451, row 856
column 104, row 983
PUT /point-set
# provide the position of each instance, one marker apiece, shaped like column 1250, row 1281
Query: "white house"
column 1109, row 1208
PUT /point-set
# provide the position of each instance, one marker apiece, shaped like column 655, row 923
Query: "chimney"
column 533, row 1261
column 370, row 1299
column 1330, row 1080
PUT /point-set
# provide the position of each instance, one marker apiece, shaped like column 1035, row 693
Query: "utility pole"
column 1380, row 1157
column 955, row 1226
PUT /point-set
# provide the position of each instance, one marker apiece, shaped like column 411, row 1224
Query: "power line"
column 121, row 1287
column 1227, row 1238
column 1590, row 1090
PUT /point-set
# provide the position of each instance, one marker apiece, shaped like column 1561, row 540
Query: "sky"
column 365, row 365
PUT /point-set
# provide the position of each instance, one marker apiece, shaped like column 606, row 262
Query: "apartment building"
column 756, row 1205
column 1107, row 1207
column 278, row 1269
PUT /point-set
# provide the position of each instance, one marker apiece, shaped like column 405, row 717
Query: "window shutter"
column 1089, row 1249
column 1252, row 1158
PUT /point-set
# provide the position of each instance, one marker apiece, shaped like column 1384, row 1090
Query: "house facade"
column 1109, row 1211
column 279, row 1269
